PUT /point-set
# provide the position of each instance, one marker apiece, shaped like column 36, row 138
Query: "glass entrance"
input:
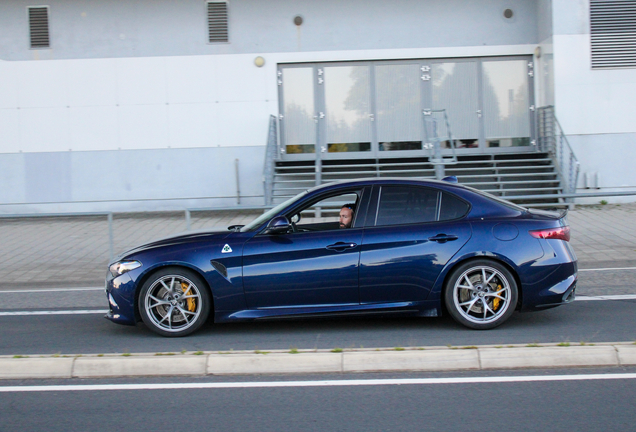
column 386, row 109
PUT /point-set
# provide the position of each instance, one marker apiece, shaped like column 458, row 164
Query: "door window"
column 401, row 205
column 325, row 214
column 452, row 207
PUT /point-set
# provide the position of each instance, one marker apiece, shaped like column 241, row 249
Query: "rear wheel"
column 174, row 302
column 481, row 294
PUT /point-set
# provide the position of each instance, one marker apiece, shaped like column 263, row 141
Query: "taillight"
column 561, row 233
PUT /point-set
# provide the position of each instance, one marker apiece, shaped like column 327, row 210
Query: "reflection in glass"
column 298, row 110
column 347, row 108
column 399, row 117
column 506, row 119
column 455, row 89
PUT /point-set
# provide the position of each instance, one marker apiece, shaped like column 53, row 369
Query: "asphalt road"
column 575, row 403
column 581, row 321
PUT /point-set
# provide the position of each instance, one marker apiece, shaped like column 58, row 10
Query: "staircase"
column 528, row 175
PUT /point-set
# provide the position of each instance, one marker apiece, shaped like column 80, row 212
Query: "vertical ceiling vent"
column 613, row 33
column 217, row 21
column 39, row 26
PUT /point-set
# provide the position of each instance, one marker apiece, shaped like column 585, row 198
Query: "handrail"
column 270, row 156
column 553, row 141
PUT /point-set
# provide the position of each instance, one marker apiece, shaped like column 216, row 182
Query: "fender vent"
column 39, row 26
column 613, row 33
column 217, row 21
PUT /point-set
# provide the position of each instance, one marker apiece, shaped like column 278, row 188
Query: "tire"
column 477, row 305
column 174, row 302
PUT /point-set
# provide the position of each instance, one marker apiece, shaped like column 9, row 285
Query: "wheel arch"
column 490, row 257
column 148, row 274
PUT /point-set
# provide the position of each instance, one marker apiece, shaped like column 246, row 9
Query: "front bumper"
column 120, row 293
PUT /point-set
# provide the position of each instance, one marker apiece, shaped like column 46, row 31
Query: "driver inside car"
column 346, row 215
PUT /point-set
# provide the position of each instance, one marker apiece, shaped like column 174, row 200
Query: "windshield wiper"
column 235, row 228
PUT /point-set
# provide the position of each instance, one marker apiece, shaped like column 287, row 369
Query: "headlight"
column 119, row 268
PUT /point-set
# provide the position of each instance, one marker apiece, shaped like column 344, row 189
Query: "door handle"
column 443, row 238
column 341, row 246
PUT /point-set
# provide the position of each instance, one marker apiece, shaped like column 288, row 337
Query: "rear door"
column 410, row 234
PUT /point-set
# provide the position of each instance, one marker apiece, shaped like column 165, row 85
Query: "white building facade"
column 157, row 105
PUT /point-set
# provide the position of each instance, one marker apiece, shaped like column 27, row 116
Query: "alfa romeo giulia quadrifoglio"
column 377, row 246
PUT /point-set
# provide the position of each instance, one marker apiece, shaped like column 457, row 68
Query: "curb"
column 318, row 361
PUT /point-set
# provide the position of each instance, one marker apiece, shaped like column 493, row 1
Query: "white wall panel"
column 191, row 79
column 9, row 130
column 93, row 128
column 244, row 123
column 8, row 87
column 591, row 101
column 12, row 175
column 42, row 84
column 239, row 80
column 44, row 129
column 143, row 127
column 193, row 125
column 92, row 83
column 141, row 80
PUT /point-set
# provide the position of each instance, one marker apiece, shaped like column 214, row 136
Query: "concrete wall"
column 145, row 28
column 132, row 103
column 595, row 107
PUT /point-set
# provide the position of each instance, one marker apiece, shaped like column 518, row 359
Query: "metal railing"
column 270, row 161
column 553, row 141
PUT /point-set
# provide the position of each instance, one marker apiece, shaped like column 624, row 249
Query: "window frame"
column 374, row 206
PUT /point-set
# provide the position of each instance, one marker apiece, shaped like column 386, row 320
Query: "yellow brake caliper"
column 495, row 301
column 189, row 301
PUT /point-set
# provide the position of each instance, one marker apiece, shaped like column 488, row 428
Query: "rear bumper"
column 562, row 293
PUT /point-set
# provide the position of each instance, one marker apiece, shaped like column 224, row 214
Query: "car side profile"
column 419, row 247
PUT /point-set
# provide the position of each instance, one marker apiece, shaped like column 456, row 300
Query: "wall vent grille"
column 613, row 33
column 217, row 21
column 39, row 26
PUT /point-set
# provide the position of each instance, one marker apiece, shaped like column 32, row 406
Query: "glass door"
column 298, row 124
column 347, row 126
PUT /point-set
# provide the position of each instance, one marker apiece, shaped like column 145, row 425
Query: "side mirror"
column 278, row 225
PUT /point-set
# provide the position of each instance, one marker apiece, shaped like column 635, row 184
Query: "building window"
column 39, row 26
column 613, row 33
column 217, row 21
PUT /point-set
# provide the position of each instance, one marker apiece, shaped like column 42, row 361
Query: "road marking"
column 607, row 269
column 607, row 297
column 323, row 383
column 53, row 290
column 55, row 312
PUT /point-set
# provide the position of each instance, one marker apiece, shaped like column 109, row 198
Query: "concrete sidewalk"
column 74, row 251
column 430, row 359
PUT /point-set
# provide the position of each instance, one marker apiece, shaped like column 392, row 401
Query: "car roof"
column 387, row 180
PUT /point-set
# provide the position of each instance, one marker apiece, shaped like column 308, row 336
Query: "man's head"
column 346, row 215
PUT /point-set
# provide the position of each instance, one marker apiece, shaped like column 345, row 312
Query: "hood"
column 186, row 237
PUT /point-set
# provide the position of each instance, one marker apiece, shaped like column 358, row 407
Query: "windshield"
column 271, row 213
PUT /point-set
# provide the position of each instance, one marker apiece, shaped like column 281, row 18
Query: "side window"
column 325, row 214
column 406, row 205
column 452, row 207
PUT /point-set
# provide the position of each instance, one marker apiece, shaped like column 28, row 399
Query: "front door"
column 302, row 269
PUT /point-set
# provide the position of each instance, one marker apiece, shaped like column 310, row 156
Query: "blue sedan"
column 420, row 247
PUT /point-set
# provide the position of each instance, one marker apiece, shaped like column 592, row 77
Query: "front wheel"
column 481, row 294
column 174, row 302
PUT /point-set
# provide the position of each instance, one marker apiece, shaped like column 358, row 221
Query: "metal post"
column 187, row 218
column 238, row 187
column 110, row 236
